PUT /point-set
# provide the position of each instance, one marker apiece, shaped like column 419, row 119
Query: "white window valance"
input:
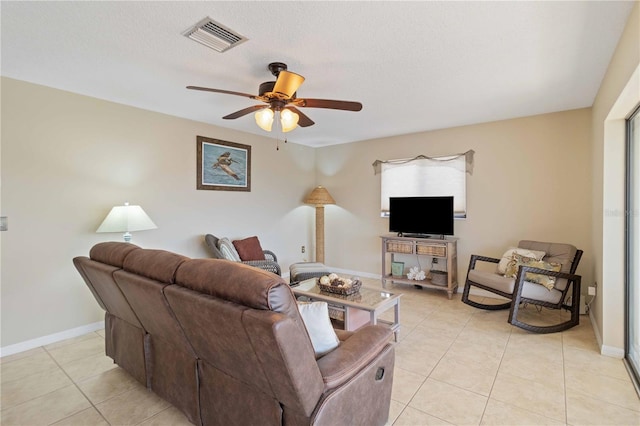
column 425, row 176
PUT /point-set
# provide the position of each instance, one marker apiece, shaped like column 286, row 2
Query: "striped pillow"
column 228, row 250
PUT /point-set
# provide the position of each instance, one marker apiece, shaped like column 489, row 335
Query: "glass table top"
column 365, row 298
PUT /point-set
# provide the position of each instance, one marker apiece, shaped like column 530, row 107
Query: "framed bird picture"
column 223, row 166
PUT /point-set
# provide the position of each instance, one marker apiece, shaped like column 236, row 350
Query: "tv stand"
column 444, row 249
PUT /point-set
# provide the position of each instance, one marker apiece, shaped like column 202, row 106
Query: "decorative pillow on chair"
column 506, row 257
column 316, row 319
column 249, row 249
column 212, row 243
column 544, row 280
column 228, row 250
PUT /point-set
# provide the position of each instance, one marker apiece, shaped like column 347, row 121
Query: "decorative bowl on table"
column 334, row 284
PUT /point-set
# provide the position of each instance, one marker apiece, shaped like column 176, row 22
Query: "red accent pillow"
column 249, row 249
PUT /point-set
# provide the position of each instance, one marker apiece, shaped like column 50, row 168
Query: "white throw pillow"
column 316, row 318
column 228, row 250
column 506, row 257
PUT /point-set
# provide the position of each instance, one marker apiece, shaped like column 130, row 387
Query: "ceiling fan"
column 280, row 97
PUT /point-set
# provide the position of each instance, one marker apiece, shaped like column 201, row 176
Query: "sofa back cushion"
column 244, row 322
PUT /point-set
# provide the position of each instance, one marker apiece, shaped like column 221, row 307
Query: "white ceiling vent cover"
column 214, row 35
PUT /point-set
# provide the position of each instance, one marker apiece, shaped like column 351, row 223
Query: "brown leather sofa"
column 224, row 342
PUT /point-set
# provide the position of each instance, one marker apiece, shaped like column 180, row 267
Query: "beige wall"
column 67, row 159
column 619, row 93
column 531, row 180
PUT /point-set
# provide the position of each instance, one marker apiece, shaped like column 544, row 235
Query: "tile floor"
column 454, row 365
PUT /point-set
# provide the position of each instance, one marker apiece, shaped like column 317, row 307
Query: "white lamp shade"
column 126, row 218
column 288, row 120
column 264, row 119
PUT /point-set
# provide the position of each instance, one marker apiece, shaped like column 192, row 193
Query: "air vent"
column 214, row 35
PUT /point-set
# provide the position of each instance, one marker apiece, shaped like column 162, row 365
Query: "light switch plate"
column 4, row 223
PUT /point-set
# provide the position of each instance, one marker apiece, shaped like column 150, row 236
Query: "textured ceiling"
column 415, row 66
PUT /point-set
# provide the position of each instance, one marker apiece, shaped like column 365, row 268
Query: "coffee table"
column 373, row 302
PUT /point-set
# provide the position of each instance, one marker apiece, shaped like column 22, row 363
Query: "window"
column 426, row 176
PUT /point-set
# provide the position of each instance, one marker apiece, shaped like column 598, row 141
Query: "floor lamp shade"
column 319, row 197
column 126, row 219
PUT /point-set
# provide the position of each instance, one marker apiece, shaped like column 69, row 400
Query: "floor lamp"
column 319, row 197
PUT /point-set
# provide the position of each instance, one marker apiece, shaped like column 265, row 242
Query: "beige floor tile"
column 101, row 333
column 20, row 355
column 465, row 374
column 132, row 407
column 68, row 353
column 46, row 409
column 531, row 367
column 108, row 385
column 589, row 360
column 71, row 341
column 413, row 417
column 395, row 409
column 471, row 335
column 500, row 414
column 168, row 417
column 32, row 386
column 405, row 385
column 609, row 389
column 87, row 417
column 449, row 403
column 87, row 367
column 548, row 351
column 584, row 410
column 544, row 399
column 40, row 362
column 416, row 361
column 487, row 354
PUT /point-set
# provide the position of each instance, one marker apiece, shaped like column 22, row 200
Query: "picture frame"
column 223, row 165
column 397, row 269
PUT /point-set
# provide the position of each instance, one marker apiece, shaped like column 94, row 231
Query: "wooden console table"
column 445, row 250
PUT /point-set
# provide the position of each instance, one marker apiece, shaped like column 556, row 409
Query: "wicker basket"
column 439, row 277
column 431, row 250
column 352, row 289
column 399, row 247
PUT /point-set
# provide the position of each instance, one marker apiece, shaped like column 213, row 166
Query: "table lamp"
column 319, row 196
column 126, row 219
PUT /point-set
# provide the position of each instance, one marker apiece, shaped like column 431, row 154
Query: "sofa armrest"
column 353, row 354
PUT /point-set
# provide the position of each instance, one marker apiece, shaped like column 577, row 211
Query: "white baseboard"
column 52, row 338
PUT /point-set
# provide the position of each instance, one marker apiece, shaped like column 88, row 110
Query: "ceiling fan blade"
column 288, row 83
column 226, row 92
column 244, row 112
column 303, row 119
column 328, row 103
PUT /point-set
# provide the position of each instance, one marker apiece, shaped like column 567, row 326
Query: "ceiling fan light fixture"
column 288, row 120
column 264, row 119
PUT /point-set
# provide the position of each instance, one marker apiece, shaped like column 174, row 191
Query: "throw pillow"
column 544, row 280
column 249, row 249
column 228, row 250
column 506, row 257
column 212, row 243
column 316, row 319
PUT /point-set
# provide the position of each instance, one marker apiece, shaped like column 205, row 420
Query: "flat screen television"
column 421, row 216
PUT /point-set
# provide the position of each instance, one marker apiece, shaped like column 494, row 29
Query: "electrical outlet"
column 303, row 249
column 592, row 290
